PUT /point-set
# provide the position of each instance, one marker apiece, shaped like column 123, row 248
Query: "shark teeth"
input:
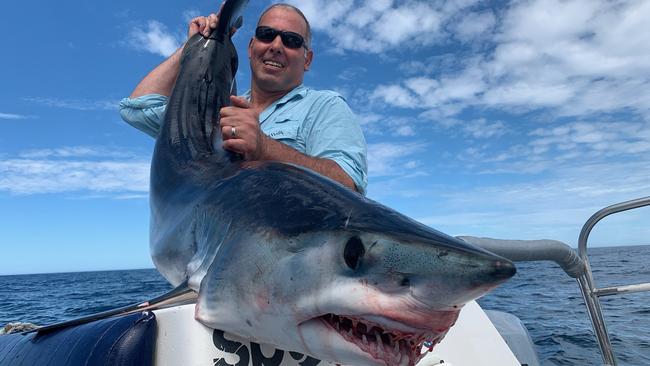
column 392, row 346
column 380, row 345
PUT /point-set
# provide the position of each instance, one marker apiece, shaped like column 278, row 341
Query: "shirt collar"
column 298, row 92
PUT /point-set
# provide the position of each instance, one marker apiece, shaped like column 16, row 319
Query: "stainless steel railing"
column 576, row 265
column 590, row 292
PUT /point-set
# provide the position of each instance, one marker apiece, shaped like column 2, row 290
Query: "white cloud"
column 474, row 25
column 545, row 21
column 375, row 26
column 405, row 130
column 13, row 116
column 556, row 146
column 76, row 152
column 595, row 139
column 386, row 125
column 529, row 94
column 386, row 159
column 573, row 58
column 322, row 14
column 74, row 169
column 155, row 38
column 352, row 73
column 422, row 85
column 481, row 128
column 395, row 95
column 369, row 119
column 76, row 104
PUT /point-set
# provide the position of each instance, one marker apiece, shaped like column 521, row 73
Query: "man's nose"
column 276, row 44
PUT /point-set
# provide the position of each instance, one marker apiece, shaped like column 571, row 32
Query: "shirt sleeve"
column 334, row 133
column 145, row 112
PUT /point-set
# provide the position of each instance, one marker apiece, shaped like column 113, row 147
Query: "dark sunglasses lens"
column 289, row 39
column 292, row 40
column 265, row 34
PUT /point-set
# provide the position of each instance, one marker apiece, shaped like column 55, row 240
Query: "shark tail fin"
column 230, row 17
column 190, row 140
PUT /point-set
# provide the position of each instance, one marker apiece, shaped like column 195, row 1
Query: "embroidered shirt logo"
column 275, row 134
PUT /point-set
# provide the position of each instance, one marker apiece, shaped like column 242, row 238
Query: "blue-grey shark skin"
column 285, row 256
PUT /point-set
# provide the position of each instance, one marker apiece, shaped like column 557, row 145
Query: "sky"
column 505, row 119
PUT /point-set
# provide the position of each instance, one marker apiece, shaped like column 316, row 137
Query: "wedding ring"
column 233, row 132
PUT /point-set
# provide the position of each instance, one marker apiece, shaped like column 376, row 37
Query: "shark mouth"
column 394, row 347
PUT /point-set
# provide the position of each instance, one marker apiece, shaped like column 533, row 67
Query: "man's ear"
column 250, row 48
column 309, row 56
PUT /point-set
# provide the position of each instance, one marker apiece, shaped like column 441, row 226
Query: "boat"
column 161, row 333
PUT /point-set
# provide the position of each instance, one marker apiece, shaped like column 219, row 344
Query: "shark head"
column 365, row 287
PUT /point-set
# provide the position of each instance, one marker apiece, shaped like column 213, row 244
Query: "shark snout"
column 503, row 269
column 439, row 275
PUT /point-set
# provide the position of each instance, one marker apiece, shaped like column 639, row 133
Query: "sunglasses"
column 289, row 39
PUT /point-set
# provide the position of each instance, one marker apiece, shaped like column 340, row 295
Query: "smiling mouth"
column 394, row 347
column 273, row 64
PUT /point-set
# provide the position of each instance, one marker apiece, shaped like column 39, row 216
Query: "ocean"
column 547, row 301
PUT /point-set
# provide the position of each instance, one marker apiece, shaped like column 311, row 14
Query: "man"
column 278, row 118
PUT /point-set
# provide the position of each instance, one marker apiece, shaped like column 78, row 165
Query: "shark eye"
column 353, row 252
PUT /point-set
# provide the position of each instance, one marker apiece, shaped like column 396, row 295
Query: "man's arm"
column 275, row 150
column 161, row 79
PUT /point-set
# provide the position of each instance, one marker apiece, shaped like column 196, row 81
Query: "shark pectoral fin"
column 213, row 298
column 225, row 285
column 179, row 295
column 209, row 237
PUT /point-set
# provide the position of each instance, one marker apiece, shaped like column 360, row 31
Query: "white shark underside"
column 282, row 255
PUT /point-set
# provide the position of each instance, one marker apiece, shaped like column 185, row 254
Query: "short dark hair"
column 291, row 7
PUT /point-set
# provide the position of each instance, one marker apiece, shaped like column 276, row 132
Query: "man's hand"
column 203, row 25
column 240, row 129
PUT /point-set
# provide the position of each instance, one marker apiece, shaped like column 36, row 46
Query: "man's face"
column 274, row 66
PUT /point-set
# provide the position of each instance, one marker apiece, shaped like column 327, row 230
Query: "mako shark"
column 282, row 255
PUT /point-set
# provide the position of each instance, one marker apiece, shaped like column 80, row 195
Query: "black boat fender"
column 118, row 341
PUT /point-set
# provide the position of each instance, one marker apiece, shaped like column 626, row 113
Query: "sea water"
column 551, row 307
column 547, row 301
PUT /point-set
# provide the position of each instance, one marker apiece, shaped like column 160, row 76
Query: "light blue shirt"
column 317, row 123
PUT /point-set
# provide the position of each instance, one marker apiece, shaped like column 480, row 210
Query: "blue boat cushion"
column 119, row 341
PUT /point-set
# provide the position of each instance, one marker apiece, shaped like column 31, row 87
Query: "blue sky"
column 490, row 118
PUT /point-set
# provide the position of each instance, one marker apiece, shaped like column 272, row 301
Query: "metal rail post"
column 590, row 293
